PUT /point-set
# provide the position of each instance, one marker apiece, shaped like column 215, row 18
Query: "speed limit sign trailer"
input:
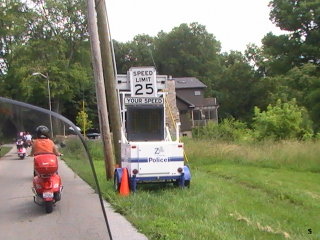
column 148, row 152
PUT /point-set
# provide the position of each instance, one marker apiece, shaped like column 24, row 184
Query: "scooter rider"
column 28, row 139
column 47, row 184
column 43, row 143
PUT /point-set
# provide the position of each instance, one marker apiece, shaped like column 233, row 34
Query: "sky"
column 235, row 23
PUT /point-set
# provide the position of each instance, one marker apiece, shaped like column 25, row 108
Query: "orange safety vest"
column 42, row 146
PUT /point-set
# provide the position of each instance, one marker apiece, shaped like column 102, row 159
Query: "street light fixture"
column 49, row 94
column 150, row 51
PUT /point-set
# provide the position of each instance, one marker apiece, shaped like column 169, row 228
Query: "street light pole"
column 49, row 94
column 148, row 46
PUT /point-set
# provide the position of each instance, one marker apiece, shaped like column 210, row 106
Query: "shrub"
column 227, row 130
column 95, row 148
column 72, row 146
column 282, row 121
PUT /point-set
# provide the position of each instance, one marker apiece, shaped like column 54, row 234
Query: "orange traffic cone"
column 124, row 185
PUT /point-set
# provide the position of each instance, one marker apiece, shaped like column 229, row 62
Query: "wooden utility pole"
column 100, row 89
column 109, row 76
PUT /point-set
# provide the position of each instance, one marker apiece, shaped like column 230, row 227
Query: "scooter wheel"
column 49, row 206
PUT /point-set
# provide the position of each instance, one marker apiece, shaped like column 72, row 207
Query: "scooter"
column 47, row 185
column 22, row 152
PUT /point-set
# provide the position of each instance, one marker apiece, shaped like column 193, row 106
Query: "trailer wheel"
column 133, row 184
column 187, row 183
column 177, row 183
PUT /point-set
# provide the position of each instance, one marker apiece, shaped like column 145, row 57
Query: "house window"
column 196, row 115
column 210, row 114
column 197, row 93
column 207, row 114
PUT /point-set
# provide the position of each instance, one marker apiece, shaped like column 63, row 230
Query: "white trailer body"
column 153, row 159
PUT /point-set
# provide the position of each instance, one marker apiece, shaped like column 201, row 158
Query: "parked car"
column 93, row 133
column 72, row 131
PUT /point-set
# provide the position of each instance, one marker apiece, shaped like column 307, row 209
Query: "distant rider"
column 28, row 139
column 19, row 143
column 43, row 143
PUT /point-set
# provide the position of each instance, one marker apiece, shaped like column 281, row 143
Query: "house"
column 194, row 109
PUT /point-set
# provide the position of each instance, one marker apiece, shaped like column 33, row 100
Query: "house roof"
column 188, row 82
column 190, row 104
column 210, row 102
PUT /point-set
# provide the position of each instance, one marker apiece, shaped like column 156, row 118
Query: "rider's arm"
column 55, row 151
column 33, row 148
column 32, row 152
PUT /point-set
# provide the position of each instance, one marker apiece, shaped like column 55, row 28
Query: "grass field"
column 257, row 191
column 4, row 151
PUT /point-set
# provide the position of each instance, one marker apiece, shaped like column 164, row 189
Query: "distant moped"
column 21, row 150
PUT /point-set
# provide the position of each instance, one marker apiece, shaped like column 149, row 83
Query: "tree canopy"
column 301, row 43
column 50, row 37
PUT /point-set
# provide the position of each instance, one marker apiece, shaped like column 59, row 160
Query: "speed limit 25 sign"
column 143, row 82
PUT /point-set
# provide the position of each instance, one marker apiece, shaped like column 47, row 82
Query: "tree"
column 189, row 50
column 280, row 54
column 299, row 17
column 138, row 52
column 15, row 18
column 301, row 45
column 83, row 121
column 255, row 58
column 55, row 44
column 238, row 89
column 303, row 84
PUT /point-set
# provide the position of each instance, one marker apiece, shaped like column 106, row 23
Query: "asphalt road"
column 77, row 216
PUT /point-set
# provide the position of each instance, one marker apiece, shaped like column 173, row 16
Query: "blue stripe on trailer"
column 176, row 159
column 138, row 179
column 145, row 160
column 137, row 160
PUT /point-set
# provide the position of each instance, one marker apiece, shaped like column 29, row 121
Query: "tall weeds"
column 296, row 155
